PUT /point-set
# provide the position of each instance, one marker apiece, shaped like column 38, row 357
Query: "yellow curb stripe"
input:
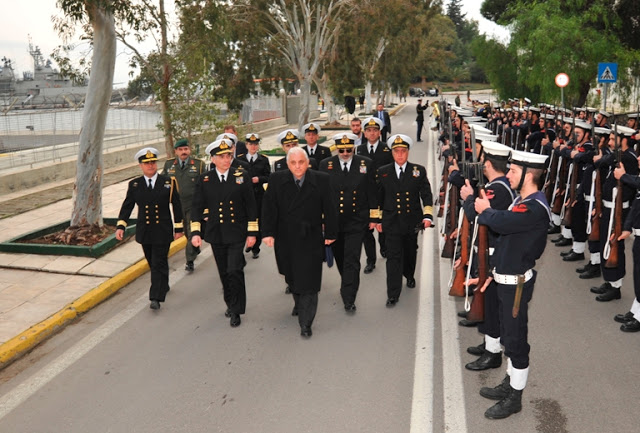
column 27, row 340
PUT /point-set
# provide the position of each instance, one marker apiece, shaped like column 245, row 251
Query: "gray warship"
column 45, row 87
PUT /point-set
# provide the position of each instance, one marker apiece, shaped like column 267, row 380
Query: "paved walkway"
column 41, row 293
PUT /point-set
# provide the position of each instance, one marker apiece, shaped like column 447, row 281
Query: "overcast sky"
column 33, row 18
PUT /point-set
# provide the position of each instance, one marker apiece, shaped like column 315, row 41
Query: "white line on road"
column 29, row 387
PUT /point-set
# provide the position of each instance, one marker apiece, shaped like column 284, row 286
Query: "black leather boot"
column 476, row 350
column 592, row 272
column 609, row 295
column 499, row 392
column 601, row 289
column 486, row 361
column 507, row 406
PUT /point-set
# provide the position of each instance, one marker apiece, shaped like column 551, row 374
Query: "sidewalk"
column 40, row 294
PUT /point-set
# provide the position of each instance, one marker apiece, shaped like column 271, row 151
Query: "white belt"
column 491, row 250
column 589, row 198
column 611, row 204
column 636, row 232
column 511, row 279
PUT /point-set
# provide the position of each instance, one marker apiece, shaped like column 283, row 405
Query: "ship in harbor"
column 44, row 87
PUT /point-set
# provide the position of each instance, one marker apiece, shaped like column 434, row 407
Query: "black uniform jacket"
column 381, row 156
column 294, row 218
column 320, row 153
column 400, row 199
column 230, row 207
column 354, row 193
column 154, row 224
column 260, row 168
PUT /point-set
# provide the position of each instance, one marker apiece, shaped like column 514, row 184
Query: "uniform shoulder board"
column 385, row 149
column 238, row 173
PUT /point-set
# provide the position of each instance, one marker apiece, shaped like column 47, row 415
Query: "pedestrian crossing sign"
column 607, row 72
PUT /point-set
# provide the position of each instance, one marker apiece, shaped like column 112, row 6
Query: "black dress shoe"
column 411, row 283
column 305, row 331
column 350, row 308
column 506, row 407
column 468, row 323
column 585, row 268
column 462, row 314
column 476, row 350
column 246, row 250
column 565, row 253
column 189, row 266
column 601, row 289
column 557, row 239
column 486, row 361
column 564, row 242
column 553, row 230
column 256, row 254
column 631, row 326
column 383, row 253
column 499, row 392
column 287, row 290
column 369, row 268
column 573, row 257
column 624, row 318
column 154, row 305
column 391, row 302
column 609, row 295
column 294, row 312
column 227, row 313
column 235, row 320
column 593, row 272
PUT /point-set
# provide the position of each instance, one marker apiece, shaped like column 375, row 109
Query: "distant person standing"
column 383, row 115
column 468, row 96
column 420, row 118
column 185, row 170
column 153, row 192
column 356, row 129
column 457, row 101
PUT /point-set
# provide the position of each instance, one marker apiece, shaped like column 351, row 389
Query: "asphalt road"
column 125, row 368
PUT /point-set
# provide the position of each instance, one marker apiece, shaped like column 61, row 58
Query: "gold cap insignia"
column 345, row 140
column 398, row 140
column 224, row 146
column 253, row 138
column 290, row 136
column 149, row 154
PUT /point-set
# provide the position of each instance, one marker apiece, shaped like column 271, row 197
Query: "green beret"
column 181, row 142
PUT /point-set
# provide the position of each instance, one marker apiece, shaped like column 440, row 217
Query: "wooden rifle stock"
column 458, row 287
column 568, row 212
column 597, row 205
column 449, row 244
column 476, row 313
column 557, row 204
column 612, row 261
column 553, row 172
column 445, row 185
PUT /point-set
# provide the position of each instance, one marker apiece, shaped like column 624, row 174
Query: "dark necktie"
column 310, row 152
column 371, row 150
column 222, row 178
column 345, row 170
column 150, row 185
column 401, row 174
column 298, row 184
column 182, row 165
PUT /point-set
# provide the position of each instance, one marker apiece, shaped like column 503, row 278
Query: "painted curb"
column 19, row 345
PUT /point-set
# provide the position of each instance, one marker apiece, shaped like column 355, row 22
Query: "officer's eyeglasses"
column 345, row 150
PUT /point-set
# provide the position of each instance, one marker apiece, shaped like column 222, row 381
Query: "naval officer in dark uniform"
column 185, row 170
column 522, row 231
column 380, row 154
column 153, row 192
column 224, row 196
column 289, row 139
column 406, row 203
column 315, row 151
column 297, row 209
column 354, row 193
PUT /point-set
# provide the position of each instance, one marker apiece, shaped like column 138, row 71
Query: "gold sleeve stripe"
column 380, row 214
column 122, row 223
column 195, row 226
column 374, row 213
column 178, row 225
column 428, row 210
column 253, row 226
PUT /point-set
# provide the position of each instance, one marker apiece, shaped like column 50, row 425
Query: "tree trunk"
column 165, row 103
column 87, row 190
column 329, row 105
column 367, row 97
column 305, row 93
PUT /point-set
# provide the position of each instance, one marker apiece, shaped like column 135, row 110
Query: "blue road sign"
column 607, row 72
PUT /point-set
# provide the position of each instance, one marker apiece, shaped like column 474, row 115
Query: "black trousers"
column 346, row 251
column 230, row 261
column 402, row 251
column 157, row 256
column 579, row 221
column 636, row 267
column 611, row 274
column 256, row 246
column 307, row 305
column 191, row 252
column 514, row 332
column 491, row 324
column 370, row 245
column 420, row 125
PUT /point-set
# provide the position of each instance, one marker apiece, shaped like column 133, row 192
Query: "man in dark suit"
column 402, row 187
column 224, row 197
column 355, row 197
column 185, row 170
column 297, row 207
column 313, row 149
column 153, row 192
column 289, row 139
column 420, row 118
column 383, row 115
column 380, row 153
column 259, row 171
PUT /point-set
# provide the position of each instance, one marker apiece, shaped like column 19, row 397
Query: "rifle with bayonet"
column 551, row 183
column 595, row 206
column 613, row 258
column 448, row 250
column 568, row 210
